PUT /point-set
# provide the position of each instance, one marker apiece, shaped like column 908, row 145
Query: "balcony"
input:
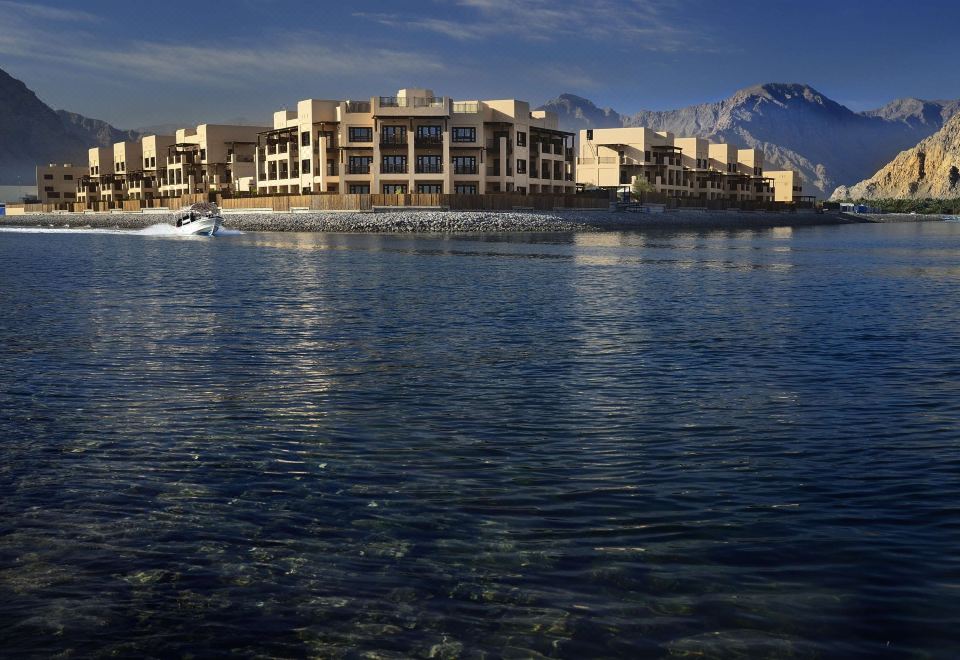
column 429, row 141
column 358, row 107
column 429, row 168
column 358, row 169
column 464, row 169
column 389, row 141
column 466, row 107
column 393, row 168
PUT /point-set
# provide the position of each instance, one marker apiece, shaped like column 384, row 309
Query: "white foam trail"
column 159, row 229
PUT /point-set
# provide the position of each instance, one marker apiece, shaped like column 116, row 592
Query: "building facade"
column 208, row 158
column 414, row 142
column 686, row 167
column 57, row 183
column 787, row 185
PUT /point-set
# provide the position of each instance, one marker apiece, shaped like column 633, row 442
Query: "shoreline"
column 401, row 221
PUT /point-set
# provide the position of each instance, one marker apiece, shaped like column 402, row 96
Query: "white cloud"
column 644, row 25
column 33, row 10
column 219, row 64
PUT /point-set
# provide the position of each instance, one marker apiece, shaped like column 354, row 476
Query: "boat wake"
column 159, row 229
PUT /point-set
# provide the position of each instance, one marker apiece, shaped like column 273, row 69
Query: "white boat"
column 200, row 219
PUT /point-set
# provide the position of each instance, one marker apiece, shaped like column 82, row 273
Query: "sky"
column 139, row 64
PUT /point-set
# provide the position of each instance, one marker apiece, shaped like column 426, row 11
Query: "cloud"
column 644, row 25
column 219, row 65
column 33, row 10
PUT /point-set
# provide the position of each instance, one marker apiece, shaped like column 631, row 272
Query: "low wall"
column 335, row 202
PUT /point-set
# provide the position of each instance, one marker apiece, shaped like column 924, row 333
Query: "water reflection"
column 618, row 444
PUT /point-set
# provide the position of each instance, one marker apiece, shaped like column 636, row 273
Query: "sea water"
column 694, row 443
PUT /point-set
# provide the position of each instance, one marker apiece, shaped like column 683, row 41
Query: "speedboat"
column 200, row 219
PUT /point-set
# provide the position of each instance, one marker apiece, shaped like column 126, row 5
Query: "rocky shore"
column 445, row 221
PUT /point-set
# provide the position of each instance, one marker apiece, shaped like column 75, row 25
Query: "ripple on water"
column 696, row 444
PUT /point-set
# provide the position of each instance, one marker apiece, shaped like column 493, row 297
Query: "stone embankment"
column 444, row 221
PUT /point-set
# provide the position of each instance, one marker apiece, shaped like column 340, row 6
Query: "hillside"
column 31, row 133
column 930, row 169
column 795, row 126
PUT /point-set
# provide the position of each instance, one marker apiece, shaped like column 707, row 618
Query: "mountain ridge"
column 32, row 133
column 931, row 169
column 795, row 125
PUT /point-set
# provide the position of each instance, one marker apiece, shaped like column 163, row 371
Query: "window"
column 360, row 134
column 331, row 168
column 203, row 154
column 305, row 166
column 305, row 139
column 521, row 166
column 394, row 165
column 393, row 135
column 465, row 189
column 153, row 161
column 646, row 156
column 69, row 195
column 464, row 134
column 429, row 188
column 359, row 164
column 429, row 132
column 48, row 188
column 359, row 189
column 464, row 164
column 48, row 177
column 429, row 136
column 589, row 133
column 429, row 164
column 394, row 189
column 521, row 139
column 68, row 177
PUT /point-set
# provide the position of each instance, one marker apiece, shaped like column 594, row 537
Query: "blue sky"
column 133, row 65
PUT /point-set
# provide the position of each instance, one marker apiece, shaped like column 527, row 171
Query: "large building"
column 209, row 158
column 414, row 142
column 689, row 167
column 57, row 183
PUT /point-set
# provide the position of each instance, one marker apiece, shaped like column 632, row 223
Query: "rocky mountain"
column 795, row 126
column 930, row 169
column 31, row 133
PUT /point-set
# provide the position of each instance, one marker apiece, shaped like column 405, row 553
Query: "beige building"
column 209, row 158
column 674, row 166
column 414, row 142
column 144, row 182
column 100, row 174
column 787, row 185
column 57, row 183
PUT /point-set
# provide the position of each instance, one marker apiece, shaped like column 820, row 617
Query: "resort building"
column 144, row 183
column 414, row 142
column 208, row 159
column 99, row 172
column 673, row 166
column 787, row 185
column 57, row 183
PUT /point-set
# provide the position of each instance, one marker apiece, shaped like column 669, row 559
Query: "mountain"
column 95, row 132
column 32, row 133
column 930, row 169
column 795, row 126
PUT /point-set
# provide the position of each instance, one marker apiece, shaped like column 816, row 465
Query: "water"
column 704, row 444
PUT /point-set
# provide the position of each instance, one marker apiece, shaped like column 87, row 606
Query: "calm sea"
column 706, row 444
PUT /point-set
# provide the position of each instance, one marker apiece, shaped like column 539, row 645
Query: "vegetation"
column 640, row 186
column 931, row 206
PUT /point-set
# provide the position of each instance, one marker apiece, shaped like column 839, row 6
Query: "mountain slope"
column 795, row 126
column 930, row 169
column 32, row 133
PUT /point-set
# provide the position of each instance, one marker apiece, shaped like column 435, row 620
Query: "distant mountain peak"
column 794, row 124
